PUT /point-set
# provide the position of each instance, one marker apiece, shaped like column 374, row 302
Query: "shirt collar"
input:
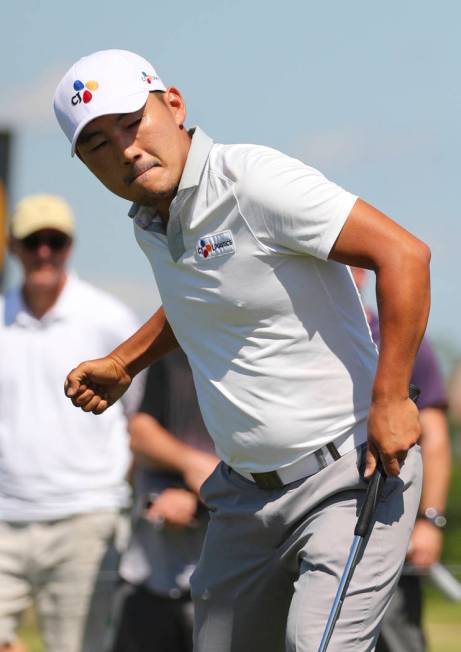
column 196, row 159
column 16, row 310
column 195, row 163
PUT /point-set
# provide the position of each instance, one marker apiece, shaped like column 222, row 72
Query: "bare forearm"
column 426, row 540
column 436, row 452
column 152, row 341
column 400, row 261
column 403, row 294
column 371, row 240
column 94, row 385
column 162, row 450
column 403, row 301
column 155, row 444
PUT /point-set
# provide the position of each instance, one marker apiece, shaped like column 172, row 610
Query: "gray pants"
column 272, row 559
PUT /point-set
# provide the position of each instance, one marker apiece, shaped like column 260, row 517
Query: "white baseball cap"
column 108, row 81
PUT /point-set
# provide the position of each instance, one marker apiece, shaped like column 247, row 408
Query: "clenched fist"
column 96, row 384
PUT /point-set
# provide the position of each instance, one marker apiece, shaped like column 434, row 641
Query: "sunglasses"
column 56, row 242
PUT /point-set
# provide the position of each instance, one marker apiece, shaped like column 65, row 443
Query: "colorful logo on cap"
column 84, row 93
column 148, row 78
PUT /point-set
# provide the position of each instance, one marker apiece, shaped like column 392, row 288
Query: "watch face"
column 440, row 520
column 432, row 515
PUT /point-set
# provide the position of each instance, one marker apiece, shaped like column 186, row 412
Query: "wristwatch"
column 433, row 516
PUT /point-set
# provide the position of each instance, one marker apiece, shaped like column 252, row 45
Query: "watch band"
column 435, row 517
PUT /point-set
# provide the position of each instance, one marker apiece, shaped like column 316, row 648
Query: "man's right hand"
column 96, row 384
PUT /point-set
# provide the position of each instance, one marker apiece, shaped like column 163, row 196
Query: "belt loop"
column 321, row 458
column 335, row 454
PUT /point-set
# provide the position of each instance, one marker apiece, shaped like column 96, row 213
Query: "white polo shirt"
column 56, row 461
column 276, row 334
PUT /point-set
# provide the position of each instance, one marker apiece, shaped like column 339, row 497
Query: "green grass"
column 452, row 537
column 443, row 624
column 443, row 618
column 28, row 633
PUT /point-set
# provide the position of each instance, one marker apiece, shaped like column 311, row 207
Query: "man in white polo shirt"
column 62, row 474
column 249, row 249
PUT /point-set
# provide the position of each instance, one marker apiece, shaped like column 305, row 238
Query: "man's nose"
column 127, row 148
column 44, row 250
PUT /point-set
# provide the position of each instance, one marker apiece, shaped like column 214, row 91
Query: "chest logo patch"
column 217, row 244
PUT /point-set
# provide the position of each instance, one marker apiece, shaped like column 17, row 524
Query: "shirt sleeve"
column 290, row 206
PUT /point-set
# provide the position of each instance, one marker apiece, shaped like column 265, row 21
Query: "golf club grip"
column 375, row 486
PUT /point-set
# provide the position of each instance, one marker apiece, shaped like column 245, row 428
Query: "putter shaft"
column 361, row 530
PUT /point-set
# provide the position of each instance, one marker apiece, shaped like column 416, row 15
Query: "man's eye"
column 98, row 145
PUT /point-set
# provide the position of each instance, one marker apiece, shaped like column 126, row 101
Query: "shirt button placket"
column 174, row 231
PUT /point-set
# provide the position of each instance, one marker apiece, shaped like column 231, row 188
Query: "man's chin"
column 48, row 283
column 152, row 197
column 146, row 196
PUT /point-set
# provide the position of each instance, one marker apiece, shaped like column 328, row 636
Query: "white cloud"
column 28, row 106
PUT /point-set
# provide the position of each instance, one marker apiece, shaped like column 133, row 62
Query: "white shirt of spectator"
column 56, row 461
column 276, row 334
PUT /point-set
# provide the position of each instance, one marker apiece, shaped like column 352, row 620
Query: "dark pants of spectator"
column 152, row 623
column 402, row 625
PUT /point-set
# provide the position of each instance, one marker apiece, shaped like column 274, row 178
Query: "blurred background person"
column 454, row 394
column 174, row 456
column 402, row 629
column 62, row 471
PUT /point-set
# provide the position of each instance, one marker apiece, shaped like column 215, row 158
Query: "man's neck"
column 40, row 300
column 163, row 209
column 162, row 206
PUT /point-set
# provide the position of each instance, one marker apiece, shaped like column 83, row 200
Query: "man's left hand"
column 393, row 428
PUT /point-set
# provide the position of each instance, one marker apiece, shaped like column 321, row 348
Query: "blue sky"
column 369, row 93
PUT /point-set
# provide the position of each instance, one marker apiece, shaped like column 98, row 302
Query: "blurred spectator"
column 62, row 471
column 173, row 450
column 402, row 629
column 454, row 393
